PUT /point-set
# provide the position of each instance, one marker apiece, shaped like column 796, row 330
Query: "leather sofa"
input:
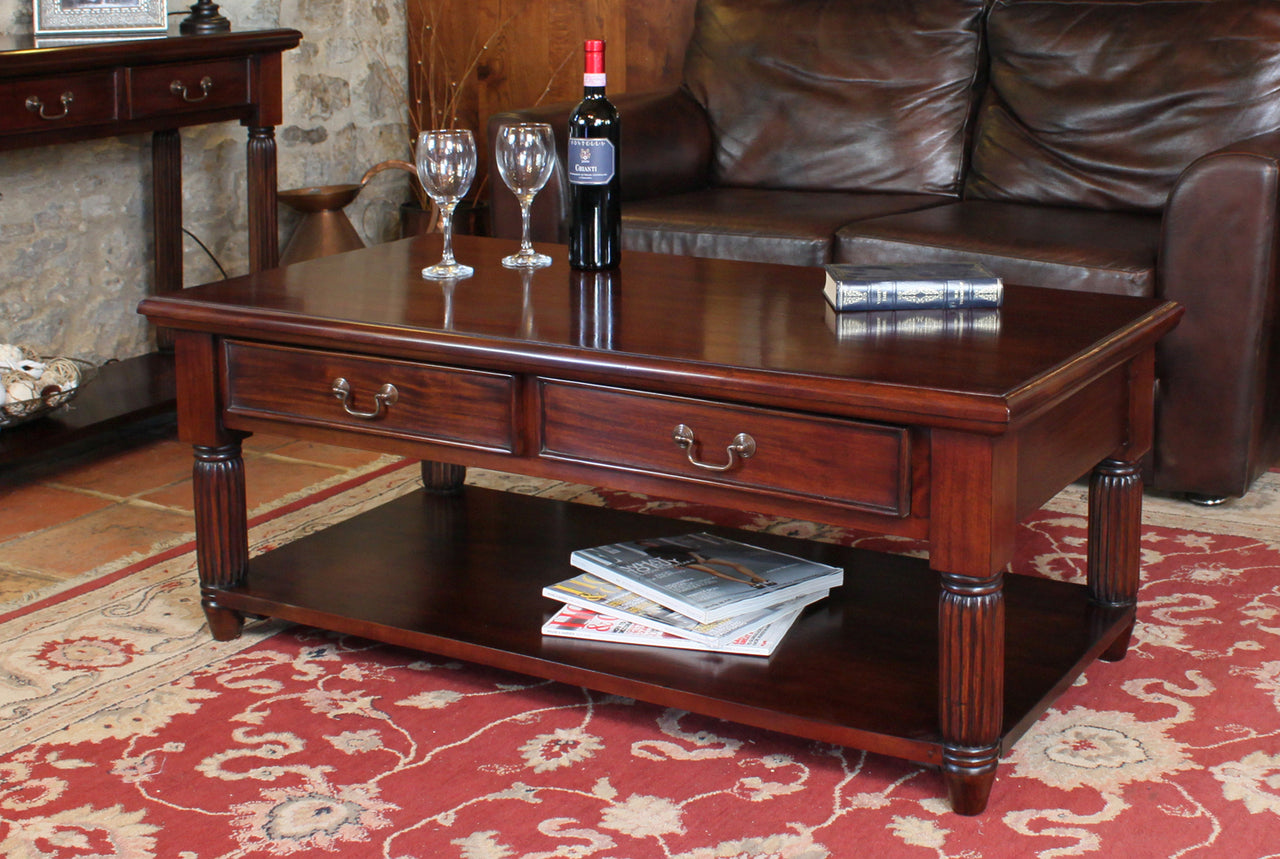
column 1125, row 147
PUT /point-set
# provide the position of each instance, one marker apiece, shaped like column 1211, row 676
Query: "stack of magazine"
column 695, row 592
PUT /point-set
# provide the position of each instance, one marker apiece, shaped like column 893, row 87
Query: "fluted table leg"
column 264, row 237
column 443, row 478
column 971, row 630
column 1115, row 543
column 222, row 532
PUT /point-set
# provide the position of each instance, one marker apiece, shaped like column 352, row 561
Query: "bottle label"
column 591, row 161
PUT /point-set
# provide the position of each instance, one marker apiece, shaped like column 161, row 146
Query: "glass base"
column 526, row 259
column 447, row 271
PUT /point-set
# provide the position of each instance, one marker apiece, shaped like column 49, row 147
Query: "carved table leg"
column 222, row 532
column 264, row 237
column 166, row 216
column 971, row 646
column 443, row 478
column 1115, row 537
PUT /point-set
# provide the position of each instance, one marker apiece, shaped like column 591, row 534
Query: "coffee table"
column 660, row 378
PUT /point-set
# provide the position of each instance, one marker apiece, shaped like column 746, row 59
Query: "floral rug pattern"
column 125, row 731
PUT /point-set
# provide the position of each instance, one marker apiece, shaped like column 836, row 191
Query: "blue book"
column 911, row 286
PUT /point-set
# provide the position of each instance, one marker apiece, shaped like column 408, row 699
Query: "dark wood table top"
column 676, row 320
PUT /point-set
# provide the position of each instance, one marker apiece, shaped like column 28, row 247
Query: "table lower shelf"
column 125, row 394
column 460, row 576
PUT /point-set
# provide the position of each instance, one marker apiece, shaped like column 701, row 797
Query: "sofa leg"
column 1203, row 500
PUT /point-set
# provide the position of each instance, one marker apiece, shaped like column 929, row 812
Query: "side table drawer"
column 46, row 105
column 429, row 402
column 188, row 86
column 862, row 465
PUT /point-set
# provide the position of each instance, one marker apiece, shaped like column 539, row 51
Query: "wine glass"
column 526, row 154
column 446, row 161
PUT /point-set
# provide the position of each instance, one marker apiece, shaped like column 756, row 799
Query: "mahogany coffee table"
column 658, row 379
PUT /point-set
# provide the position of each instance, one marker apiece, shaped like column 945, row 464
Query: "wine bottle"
column 595, row 209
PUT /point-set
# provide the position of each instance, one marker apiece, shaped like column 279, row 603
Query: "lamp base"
column 204, row 19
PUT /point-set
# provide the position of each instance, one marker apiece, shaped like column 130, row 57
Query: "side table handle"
column 743, row 446
column 36, row 106
column 386, row 396
column 178, row 88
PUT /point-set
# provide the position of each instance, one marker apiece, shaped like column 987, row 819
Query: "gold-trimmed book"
column 911, row 286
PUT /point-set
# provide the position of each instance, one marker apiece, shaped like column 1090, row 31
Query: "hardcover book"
column 911, row 286
column 595, row 594
column 575, row 622
column 706, row 577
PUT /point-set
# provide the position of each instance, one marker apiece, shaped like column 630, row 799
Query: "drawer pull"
column 178, row 88
column 35, row 105
column 386, row 396
column 743, row 446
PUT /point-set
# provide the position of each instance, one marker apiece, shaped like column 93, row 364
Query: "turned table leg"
column 971, row 648
column 264, row 237
column 222, row 532
column 443, row 478
column 1115, row 537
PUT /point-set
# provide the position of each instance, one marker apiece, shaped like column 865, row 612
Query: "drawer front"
column 433, row 403
column 188, row 86
column 861, row 465
column 51, row 105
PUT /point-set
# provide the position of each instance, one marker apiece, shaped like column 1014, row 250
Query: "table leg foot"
column 224, row 624
column 970, row 775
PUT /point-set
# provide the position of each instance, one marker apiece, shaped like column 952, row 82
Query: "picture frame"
column 99, row 19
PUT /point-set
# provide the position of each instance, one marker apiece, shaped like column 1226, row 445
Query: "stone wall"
column 75, row 245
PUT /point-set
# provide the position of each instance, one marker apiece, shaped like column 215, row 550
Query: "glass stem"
column 526, row 246
column 446, row 227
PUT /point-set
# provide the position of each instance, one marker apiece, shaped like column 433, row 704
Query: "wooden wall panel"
column 535, row 49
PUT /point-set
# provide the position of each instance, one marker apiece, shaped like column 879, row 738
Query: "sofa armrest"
column 1218, row 258
column 666, row 149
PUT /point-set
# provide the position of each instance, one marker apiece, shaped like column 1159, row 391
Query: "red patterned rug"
column 127, row 732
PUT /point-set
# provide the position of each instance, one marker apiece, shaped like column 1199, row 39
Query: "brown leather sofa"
column 1126, row 147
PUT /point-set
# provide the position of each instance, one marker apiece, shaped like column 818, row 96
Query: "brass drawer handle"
column 743, row 446
column 386, row 396
column 178, row 88
column 35, row 105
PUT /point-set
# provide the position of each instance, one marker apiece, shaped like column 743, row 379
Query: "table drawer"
column 862, row 465
column 434, row 403
column 188, row 86
column 67, row 102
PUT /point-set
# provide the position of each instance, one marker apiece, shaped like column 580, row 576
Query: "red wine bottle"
column 595, row 208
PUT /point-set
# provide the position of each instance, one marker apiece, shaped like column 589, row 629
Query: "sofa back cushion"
column 871, row 95
column 1101, row 104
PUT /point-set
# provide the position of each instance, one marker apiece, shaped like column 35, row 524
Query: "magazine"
column 706, row 577
column 590, row 592
column 576, row 622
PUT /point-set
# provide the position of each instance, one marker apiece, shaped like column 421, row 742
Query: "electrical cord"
column 208, row 252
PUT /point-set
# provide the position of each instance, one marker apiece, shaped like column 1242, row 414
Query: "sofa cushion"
column 1101, row 103
column 1064, row 248
column 755, row 224
column 868, row 95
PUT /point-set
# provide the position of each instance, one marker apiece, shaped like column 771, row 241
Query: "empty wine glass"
column 446, row 161
column 525, row 153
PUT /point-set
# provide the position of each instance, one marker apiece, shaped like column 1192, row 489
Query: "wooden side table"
column 51, row 95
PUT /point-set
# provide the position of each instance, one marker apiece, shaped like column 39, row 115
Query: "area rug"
column 125, row 731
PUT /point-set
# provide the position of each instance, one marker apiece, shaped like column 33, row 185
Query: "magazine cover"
column 590, row 592
column 575, row 622
column 705, row 577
